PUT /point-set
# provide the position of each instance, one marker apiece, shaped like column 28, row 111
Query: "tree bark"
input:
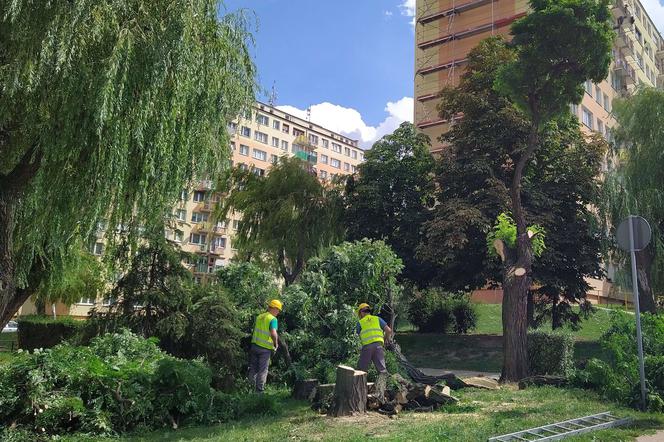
column 305, row 389
column 350, row 392
column 644, row 260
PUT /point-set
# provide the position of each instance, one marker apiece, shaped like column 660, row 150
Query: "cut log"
column 371, row 387
column 350, row 392
column 481, row 382
column 442, row 396
column 305, row 389
column 373, row 403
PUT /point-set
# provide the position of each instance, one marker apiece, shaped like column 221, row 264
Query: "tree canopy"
column 106, row 110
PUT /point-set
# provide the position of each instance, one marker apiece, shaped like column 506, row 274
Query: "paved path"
column 459, row 373
column 657, row 437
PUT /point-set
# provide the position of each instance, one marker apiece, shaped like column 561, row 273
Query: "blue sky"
column 351, row 61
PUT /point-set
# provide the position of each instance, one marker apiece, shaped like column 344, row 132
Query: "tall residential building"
column 258, row 139
column 446, row 31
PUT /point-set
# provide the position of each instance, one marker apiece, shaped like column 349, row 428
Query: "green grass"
column 479, row 415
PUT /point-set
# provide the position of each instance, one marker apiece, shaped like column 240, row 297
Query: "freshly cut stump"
column 305, row 389
column 350, row 392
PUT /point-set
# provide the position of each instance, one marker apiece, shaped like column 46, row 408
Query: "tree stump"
column 350, row 392
column 305, row 389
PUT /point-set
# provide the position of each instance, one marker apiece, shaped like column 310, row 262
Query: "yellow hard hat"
column 276, row 304
column 362, row 307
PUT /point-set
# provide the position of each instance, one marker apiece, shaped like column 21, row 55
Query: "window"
column 244, row 150
column 598, row 95
column 262, row 119
column 181, row 214
column 275, row 142
column 199, row 196
column 98, row 248
column 86, row 301
column 236, row 224
column 184, row 196
column 323, row 159
column 198, row 217
column 219, row 243
column 353, row 169
column 260, row 155
column 242, row 166
column 326, row 143
column 313, row 139
column 336, row 147
column 232, row 128
column 109, row 301
column 346, row 167
column 258, row 171
column 354, row 154
column 260, row 137
column 323, row 174
column 246, row 132
column 587, row 117
column 347, row 151
column 233, row 146
column 276, row 124
column 198, row 238
column 274, row 159
column 361, row 156
column 285, row 128
column 600, row 127
column 589, row 87
column 178, row 236
column 607, row 104
column 335, row 163
column 297, row 132
column 284, row 145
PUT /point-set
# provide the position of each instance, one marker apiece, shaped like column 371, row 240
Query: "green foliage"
column 288, row 215
column 395, row 185
column 559, row 45
column 435, row 311
column 550, row 353
column 45, row 332
column 618, row 379
column 140, row 95
column 157, row 297
column 505, row 230
column 119, row 383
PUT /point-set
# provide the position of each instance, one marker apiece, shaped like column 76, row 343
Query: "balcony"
column 659, row 54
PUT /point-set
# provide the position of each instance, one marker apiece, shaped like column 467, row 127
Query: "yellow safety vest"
column 370, row 330
column 262, row 336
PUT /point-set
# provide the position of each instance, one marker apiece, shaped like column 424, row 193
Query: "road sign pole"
column 635, row 288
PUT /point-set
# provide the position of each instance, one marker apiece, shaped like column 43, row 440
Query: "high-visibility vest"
column 262, row 336
column 370, row 330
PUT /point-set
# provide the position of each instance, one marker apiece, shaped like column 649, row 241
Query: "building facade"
column 446, row 31
column 257, row 140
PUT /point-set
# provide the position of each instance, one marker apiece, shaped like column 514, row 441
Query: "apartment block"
column 446, row 31
column 257, row 140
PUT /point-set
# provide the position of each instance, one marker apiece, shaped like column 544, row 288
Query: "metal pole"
column 637, row 313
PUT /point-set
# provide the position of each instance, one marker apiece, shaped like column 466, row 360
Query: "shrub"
column 618, row 379
column 435, row 311
column 550, row 353
column 45, row 332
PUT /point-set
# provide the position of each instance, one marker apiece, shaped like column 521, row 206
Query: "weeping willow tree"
column 288, row 216
column 106, row 110
column 635, row 183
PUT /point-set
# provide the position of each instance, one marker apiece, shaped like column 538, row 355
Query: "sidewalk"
column 657, row 437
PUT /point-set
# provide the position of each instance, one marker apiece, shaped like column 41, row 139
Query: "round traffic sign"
column 642, row 233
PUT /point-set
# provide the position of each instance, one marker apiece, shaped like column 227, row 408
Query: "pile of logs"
column 405, row 395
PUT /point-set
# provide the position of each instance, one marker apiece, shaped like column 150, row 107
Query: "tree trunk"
column 556, row 321
column 7, row 266
column 531, row 309
column 515, row 326
column 350, row 392
column 644, row 260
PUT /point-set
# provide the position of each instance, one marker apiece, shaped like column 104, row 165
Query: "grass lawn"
column 479, row 415
column 6, row 341
column 482, row 349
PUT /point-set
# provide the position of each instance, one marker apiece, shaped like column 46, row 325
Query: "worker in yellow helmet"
column 374, row 332
column 264, row 341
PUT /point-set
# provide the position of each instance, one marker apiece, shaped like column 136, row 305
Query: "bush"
column 45, row 332
column 550, row 353
column 618, row 379
column 120, row 383
column 435, row 311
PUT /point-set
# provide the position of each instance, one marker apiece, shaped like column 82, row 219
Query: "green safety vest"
column 262, row 336
column 370, row 330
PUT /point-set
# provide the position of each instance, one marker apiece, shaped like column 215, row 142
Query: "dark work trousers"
column 372, row 352
column 259, row 361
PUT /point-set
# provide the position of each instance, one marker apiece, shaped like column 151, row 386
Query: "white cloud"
column 349, row 122
column 387, row 13
column 656, row 12
column 408, row 9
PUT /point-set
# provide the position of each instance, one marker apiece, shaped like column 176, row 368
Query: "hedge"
column 550, row 353
column 45, row 332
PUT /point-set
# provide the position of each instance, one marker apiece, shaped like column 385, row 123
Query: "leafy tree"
column 559, row 45
column 106, row 110
column 288, row 216
column 391, row 197
column 634, row 185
